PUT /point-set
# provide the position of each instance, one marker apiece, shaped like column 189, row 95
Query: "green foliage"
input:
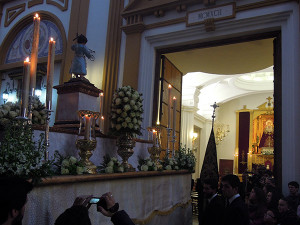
column 21, row 156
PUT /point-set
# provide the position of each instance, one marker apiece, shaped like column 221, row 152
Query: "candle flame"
column 170, row 86
column 36, row 16
column 27, row 59
column 102, row 117
column 51, row 39
column 154, row 131
column 101, row 94
column 174, row 98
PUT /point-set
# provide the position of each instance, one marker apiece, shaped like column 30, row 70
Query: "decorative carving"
column 12, row 12
column 209, row 2
column 35, row 2
column 61, row 4
column 159, row 13
column 209, row 25
column 134, row 28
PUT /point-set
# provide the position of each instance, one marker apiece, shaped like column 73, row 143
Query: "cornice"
column 158, row 9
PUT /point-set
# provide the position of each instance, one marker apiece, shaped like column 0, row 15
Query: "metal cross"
column 214, row 112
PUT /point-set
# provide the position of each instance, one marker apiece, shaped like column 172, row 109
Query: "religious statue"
column 267, row 139
column 78, row 67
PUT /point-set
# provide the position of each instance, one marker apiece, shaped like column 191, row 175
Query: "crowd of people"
column 255, row 201
column 13, row 199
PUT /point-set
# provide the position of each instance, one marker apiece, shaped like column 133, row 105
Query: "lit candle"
column 101, row 103
column 50, row 71
column 25, row 94
column 174, row 116
column 154, row 136
column 102, row 123
column 169, row 105
column 87, row 131
column 34, row 52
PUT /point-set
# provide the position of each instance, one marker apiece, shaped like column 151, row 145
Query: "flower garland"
column 126, row 111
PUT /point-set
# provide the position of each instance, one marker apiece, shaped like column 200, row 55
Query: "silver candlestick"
column 47, row 141
column 168, row 140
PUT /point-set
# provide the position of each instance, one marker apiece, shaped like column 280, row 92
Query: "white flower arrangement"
column 110, row 165
column 9, row 111
column 170, row 164
column 69, row 165
column 185, row 159
column 126, row 111
column 146, row 165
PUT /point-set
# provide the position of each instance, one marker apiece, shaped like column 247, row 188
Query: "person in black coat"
column 78, row 213
column 236, row 211
column 215, row 204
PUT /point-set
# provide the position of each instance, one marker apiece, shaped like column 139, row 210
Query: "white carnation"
column 144, row 168
column 126, row 99
column 132, row 102
column 121, row 94
column 124, row 124
column 127, row 107
column 118, row 126
column 128, row 120
column 118, row 101
column 119, row 111
column 128, row 93
column 111, row 163
column 65, row 163
column 109, row 169
column 72, row 160
column 64, row 171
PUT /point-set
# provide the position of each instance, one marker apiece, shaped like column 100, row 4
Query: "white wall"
column 96, row 35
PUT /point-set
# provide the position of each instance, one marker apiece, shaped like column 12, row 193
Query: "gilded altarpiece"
column 256, row 147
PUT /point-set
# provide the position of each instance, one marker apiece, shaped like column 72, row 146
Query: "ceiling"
column 224, row 73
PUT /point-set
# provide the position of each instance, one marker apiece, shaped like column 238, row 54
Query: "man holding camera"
column 13, row 198
column 78, row 213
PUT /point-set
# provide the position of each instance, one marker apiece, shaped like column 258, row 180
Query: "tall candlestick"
column 50, row 71
column 34, row 51
column 25, row 87
column 101, row 103
column 169, row 105
column 174, row 116
column 87, row 131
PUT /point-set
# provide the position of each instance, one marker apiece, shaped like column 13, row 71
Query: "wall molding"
column 12, row 13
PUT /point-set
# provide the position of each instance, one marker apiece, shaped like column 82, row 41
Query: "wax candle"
column 50, row 71
column 25, row 87
column 154, row 136
column 34, row 52
column 101, row 103
column 169, row 105
column 87, row 131
column 174, row 116
column 101, row 123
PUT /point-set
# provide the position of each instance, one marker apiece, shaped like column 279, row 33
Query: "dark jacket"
column 288, row 218
column 121, row 218
column 213, row 213
column 236, row 213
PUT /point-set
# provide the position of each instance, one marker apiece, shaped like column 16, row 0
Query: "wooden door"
column 169, row 74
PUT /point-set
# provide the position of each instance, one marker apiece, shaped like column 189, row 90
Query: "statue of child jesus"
column 78, row 67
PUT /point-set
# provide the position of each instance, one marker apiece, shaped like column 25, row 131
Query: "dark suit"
column 236, row 213
column 214, row 210
column 121, row 218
